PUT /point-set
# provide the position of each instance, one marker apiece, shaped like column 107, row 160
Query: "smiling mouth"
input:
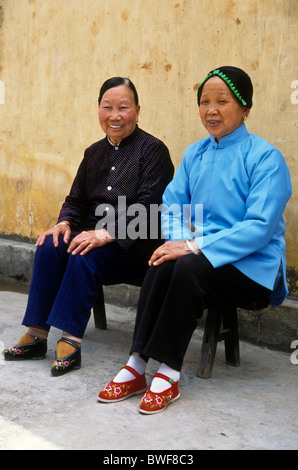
column 213, row 123
column 114, row 127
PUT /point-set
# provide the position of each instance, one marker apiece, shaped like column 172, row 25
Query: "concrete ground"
column 250, row 407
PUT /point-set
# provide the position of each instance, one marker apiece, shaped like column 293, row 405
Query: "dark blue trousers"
column 64, row 286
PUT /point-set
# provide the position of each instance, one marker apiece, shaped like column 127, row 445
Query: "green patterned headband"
column 237, row 80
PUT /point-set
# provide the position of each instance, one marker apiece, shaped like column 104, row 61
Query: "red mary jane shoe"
column 120, row 391
column 155, row 402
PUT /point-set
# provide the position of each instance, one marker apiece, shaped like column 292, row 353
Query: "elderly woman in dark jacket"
column 95, row 239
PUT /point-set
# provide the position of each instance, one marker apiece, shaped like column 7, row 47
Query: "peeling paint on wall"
column 1, row 14
column 2, row 93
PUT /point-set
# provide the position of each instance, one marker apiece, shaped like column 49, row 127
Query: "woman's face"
column 220, row 111
column 118, row 113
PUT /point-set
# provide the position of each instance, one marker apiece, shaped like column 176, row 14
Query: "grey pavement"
column 251, row 407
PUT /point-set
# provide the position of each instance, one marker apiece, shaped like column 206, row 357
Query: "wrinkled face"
column 118, row 113
column 220, row 111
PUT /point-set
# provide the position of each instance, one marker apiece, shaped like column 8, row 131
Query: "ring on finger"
column 87, row 243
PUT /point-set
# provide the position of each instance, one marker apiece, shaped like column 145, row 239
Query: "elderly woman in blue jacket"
column 233, row 187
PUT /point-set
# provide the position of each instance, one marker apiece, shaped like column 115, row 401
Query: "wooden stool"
column 227, row 317
column 99, row 310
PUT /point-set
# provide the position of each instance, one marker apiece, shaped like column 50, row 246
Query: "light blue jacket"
column 236, row 191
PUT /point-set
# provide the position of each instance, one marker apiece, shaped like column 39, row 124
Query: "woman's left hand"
column 87, row 240
column 170, row 250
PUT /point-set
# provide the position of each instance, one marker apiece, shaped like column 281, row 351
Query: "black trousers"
column 174, row 295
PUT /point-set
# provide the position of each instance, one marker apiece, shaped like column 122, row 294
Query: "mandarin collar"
column 126, row 140
column 240, row 133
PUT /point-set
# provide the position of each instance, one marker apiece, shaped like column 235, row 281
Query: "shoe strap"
column 164, row 377
column 130, row 369
column 71, row 342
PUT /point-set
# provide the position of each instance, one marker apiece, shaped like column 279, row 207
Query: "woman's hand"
column 87, row 240
column 62, row 228
column 171, row 250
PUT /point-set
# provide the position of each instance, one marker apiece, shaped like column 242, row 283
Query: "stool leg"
column 209, row 343
column 99, row 310
column 230, row 322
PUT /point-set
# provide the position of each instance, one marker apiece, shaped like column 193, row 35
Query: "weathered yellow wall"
column 54, row 55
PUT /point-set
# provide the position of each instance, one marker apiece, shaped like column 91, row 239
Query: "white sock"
column 160, row 385
column 137, row 363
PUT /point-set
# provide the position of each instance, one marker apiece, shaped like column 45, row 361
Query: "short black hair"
column 117, row 81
